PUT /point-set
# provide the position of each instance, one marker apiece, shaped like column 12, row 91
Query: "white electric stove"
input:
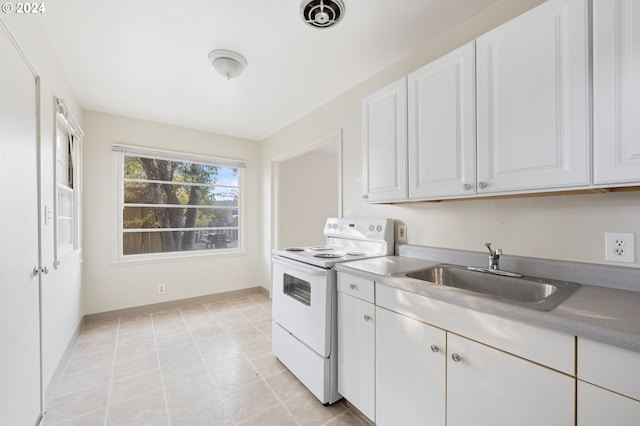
column 304, row 298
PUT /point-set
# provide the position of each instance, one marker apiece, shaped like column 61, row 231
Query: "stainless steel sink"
column 536, row 293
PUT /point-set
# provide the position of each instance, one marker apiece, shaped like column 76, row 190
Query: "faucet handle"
column 488, row 245
column 498, row 252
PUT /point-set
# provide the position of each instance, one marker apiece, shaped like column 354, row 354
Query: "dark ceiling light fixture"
column 322, row 13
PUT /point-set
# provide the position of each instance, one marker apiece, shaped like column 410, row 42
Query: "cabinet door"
column 442, row 133
column 616, row 92
column 533, row 100
column 597, row 407
column 410, row 371
column 489, row 387
column 608, row 366
column 384, row 133
column 356, row 333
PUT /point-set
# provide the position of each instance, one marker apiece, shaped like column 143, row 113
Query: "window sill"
column 173, row 258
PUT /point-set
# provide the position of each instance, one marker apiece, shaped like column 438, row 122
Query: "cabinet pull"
column 435, row 348
column 466, row 187
column 44, row 270
column 367, row 317
column 456, row 358
column 482, row 185
column 365, row 196
column 353, row 286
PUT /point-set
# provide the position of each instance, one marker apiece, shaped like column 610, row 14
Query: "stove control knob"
column 379, row 228
column 371, row 228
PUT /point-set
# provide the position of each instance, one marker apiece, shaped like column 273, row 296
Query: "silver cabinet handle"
column 435, row 348
column 456, row 358
column 353, row 286
column 44, row 270
column 365, row 196
column 367, row 317
column 482, row 185
column 466, row 187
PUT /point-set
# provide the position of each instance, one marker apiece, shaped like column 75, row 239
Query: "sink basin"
column 536, row 293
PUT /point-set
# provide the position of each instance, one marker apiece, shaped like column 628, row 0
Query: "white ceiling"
column 148, row 58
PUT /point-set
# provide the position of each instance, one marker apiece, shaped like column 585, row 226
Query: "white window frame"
column 117, row 164
column 67, row 126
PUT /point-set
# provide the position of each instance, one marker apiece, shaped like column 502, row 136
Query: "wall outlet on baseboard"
column 162, row 289
column 620, row 247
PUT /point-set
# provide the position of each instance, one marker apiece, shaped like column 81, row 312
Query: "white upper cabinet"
column 616, row 92
column 533, row 100
column 441, row 132
column 384, row 135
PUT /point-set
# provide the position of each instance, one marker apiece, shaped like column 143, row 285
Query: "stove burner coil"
column 327, row 255
column 320, row 248
column 294, row 249
column 356, row 253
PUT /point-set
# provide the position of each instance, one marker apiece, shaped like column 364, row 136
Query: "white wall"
column 61, row 294
column 110, row 286
column 561, row 227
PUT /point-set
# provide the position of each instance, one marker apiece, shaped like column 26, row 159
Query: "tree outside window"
column 177, row 205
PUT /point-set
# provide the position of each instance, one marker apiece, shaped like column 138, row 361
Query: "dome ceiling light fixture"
column 322, row 13
column 227, row 63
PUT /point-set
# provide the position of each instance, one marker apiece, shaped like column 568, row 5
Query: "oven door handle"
column 311, row 270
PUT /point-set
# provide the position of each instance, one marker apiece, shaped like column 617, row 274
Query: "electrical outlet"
column 620, row 247
column 402, row 233
column 162, row 289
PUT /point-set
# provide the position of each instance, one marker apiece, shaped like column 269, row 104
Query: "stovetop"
column 346, row 240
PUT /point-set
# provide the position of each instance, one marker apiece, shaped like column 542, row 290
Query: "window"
column 174, row 203
column 67, row 180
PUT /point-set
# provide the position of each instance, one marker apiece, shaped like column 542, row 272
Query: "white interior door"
column 20, row 394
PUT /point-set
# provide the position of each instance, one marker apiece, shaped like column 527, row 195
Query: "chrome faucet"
column 494, row 257
column 494, row 264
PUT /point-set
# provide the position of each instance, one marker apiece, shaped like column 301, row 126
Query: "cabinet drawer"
column 610, row 367
column 547, row 347
column 355, row 286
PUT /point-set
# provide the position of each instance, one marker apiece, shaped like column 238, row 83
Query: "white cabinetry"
column 498, row 378
column 511, row 117
column 533, row 100
column 616, row 373
column 441, row 132
column 410, row 371
column 616, row 92
column 356, row 342
column 597, row 407
column 384, row 135
column 486, row 386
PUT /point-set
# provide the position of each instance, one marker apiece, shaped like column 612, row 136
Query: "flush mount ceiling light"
column 322, row 13
column 228, row 64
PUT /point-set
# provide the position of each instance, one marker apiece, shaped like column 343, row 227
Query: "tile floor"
column 200, row 364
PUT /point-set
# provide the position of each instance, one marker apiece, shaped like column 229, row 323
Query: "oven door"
column 302, row 305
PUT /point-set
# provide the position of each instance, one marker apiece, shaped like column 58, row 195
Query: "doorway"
column 307, row 190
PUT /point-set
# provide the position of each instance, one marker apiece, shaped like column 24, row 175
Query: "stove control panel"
column 360, row 229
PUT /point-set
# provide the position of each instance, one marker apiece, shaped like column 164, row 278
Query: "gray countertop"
column 604, row 314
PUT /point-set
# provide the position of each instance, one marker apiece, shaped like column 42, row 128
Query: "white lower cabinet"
column 356, row 334
column 410, row 371
column 608, row 385
column 486, row 386
column 597, row 407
